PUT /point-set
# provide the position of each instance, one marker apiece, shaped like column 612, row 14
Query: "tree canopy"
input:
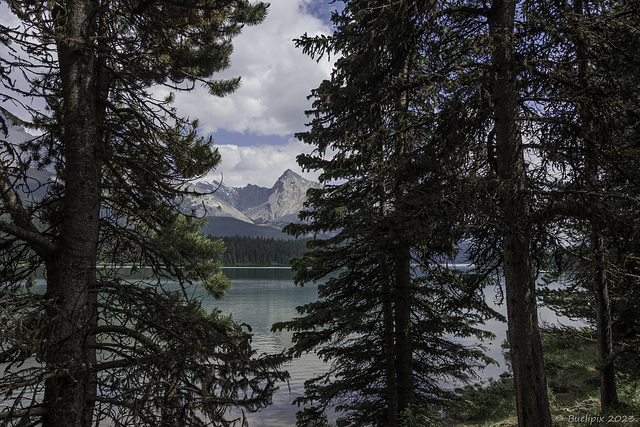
column 503, row 132
column 501, row 125
column 389, row 315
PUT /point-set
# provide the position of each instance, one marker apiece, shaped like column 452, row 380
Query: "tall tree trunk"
column 388, row 323
column 524, row 336
column 404, row 348
column 608, row 391
column 101, row 92
column 403, row 295
column 389, row 344
column 71, row 271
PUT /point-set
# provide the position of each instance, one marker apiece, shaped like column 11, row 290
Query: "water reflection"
column 261, row 297
column 258, row 273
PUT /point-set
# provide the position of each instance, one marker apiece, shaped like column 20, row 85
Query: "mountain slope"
column 210, row 204
column 285, row 200
column 251, row 210
column 271, row 208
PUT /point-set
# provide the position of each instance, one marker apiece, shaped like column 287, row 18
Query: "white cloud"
column 276, row 80
column 259, row 165
column 276, row 77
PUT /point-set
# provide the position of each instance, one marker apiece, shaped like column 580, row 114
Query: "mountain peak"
column 290, row 174
column 264, row 206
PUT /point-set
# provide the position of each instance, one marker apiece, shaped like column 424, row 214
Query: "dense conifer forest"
column 261, row 251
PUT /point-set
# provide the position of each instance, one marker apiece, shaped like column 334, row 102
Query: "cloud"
column 259, row 164
column 276, row 77
column 255, row 124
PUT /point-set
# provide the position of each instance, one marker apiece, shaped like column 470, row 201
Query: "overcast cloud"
column 258, row 164
column 253, row 127
column 276, row 77
column 268, row 108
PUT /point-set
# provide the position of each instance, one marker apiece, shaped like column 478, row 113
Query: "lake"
column 261, row 297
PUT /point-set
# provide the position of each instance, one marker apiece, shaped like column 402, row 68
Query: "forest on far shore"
column 260, row 251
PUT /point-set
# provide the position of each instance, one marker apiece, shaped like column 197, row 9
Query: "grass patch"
column 573, row 379
column 570, row 361
column 483, row 403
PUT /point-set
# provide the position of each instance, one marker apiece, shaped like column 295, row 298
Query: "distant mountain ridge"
column 251, row 210
column 247, row 211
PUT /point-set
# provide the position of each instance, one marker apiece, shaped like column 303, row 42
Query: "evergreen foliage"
column 511, row 125
column 558, row 80
column 508, row 128
column 261, row 251
column 99, row 348
column 587, row 132
column 388, row 317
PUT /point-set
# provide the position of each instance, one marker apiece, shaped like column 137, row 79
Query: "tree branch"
column 36, row 411
column 40, row 244
column 22, row 228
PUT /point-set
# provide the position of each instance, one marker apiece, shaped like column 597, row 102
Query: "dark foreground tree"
column 390, row 315
column 516, row 221
column 524, row 115
column 98, row 346
column 482, row 106
column 591, row 111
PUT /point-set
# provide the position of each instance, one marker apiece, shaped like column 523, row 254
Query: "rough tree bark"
column 524, row 336
column 404, row 350
column 593, row 136
column 608, row 390
column 389, row 344
column 71, row 270
column 388, row 322
column 403, row 300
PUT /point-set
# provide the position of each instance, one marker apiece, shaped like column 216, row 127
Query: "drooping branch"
column 22, row 226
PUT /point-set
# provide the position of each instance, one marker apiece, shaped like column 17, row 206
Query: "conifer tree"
column 386, row 315
column 589, row 109
column 572, row 100
column 103, row 347
column 527, row 61
column 516, row 220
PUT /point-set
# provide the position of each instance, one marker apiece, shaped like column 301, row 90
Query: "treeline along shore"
column 260, row 251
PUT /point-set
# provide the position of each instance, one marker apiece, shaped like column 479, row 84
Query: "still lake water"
column 261, row 297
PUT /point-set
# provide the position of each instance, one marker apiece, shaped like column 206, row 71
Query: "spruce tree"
column 589, row 111
column 516, row 220
column 484, row 113
column 387, row 317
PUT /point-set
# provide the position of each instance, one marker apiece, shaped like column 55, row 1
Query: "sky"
column 254, row 127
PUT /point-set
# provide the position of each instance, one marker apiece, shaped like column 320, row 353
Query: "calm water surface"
column 261, row 297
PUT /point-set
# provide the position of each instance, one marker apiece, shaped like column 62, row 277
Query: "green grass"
column 573, row 381
column 481, row 403
column 570, row 361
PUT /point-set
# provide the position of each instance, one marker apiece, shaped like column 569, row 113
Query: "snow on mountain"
column 285, row 200
column 210, row 204
column 263, row 208
column 270, row 207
